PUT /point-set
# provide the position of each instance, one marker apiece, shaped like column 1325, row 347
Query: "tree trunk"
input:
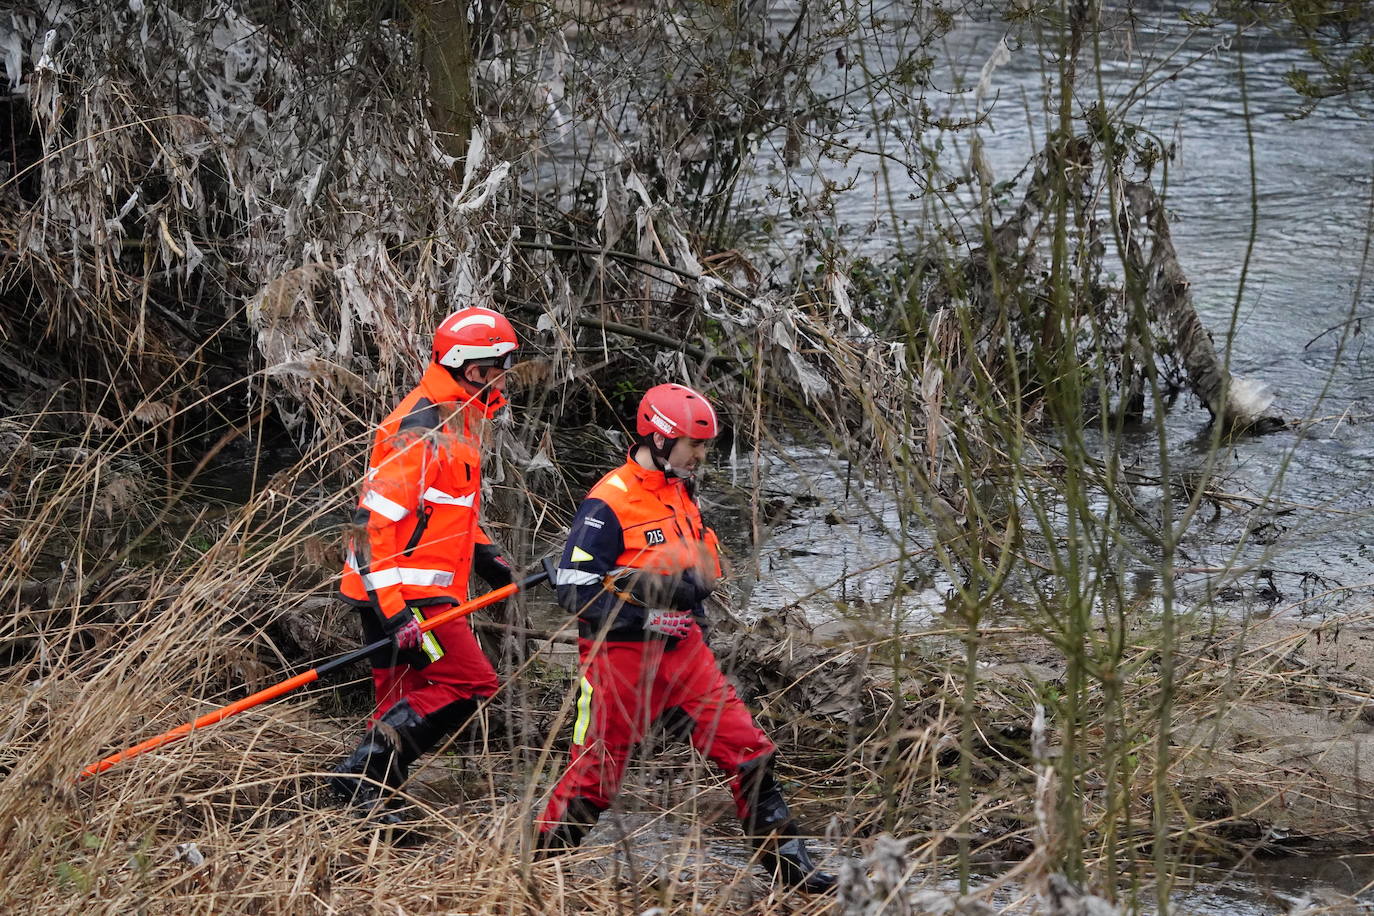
column 446, row 53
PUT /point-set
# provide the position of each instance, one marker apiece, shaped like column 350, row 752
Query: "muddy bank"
column 1272, row 729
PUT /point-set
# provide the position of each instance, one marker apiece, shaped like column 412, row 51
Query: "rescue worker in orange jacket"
column 637, row 568
column 416, row 539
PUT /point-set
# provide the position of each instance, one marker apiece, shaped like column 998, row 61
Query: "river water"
column 1301, row 540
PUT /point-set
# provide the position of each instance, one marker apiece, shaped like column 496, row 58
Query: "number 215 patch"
column 654, row 536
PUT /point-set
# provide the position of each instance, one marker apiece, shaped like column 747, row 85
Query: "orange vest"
column 416, row 522
column 660, row 523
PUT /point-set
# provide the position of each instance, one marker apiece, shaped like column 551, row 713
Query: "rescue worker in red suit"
column 638, row 566
column 416, row 540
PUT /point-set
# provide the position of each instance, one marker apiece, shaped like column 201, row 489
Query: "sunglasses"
column 502, row 363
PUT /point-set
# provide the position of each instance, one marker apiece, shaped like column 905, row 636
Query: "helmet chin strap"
column 660, row 458
column 487, row 396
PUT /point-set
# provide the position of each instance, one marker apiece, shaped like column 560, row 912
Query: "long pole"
column 307, row 677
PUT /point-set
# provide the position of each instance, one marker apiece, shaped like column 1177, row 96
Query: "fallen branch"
column 1238, row 403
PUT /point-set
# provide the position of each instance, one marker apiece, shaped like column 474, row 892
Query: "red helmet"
column 674, row 411
column 475, row 334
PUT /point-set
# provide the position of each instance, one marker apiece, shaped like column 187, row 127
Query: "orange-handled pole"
column 308, row 677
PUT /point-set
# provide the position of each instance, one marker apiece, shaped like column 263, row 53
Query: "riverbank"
column 1271, row 728
column 1272, row 723
column 1271, row 740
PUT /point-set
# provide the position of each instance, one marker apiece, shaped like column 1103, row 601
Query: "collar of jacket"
column 441, row 387
column 650, row 479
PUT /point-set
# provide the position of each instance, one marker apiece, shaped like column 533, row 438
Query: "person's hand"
column 705, row 570
column 646, row 587
column 668, row 623
column 679, row 591
column 495, row 569
column 408, row 635
column 404, row 629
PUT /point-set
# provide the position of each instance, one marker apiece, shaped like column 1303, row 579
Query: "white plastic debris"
column 189, row 853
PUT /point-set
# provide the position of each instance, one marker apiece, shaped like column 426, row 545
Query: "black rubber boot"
column 769, row 825
column 399, row 738
column 364, row 778
column 368, row 778
column 790, row 863
column 567, row 834
column 420, row 736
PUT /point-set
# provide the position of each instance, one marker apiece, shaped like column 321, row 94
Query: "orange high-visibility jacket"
column 419, row 503
column 634, row 518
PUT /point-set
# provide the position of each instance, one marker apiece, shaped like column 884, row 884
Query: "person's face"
column 688, row 454
column 490, row 377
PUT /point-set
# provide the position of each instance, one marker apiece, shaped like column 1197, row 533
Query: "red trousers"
column 461, row 672
column 626, row 686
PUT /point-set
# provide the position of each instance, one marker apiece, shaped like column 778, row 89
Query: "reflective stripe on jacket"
column 416, row 522
column 634, row 518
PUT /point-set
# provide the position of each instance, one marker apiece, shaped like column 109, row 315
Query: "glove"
column 652, row 589
column 404, row 630
column 409, row 635
column 488, row 563
column 669, row 623
column 695, row 587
